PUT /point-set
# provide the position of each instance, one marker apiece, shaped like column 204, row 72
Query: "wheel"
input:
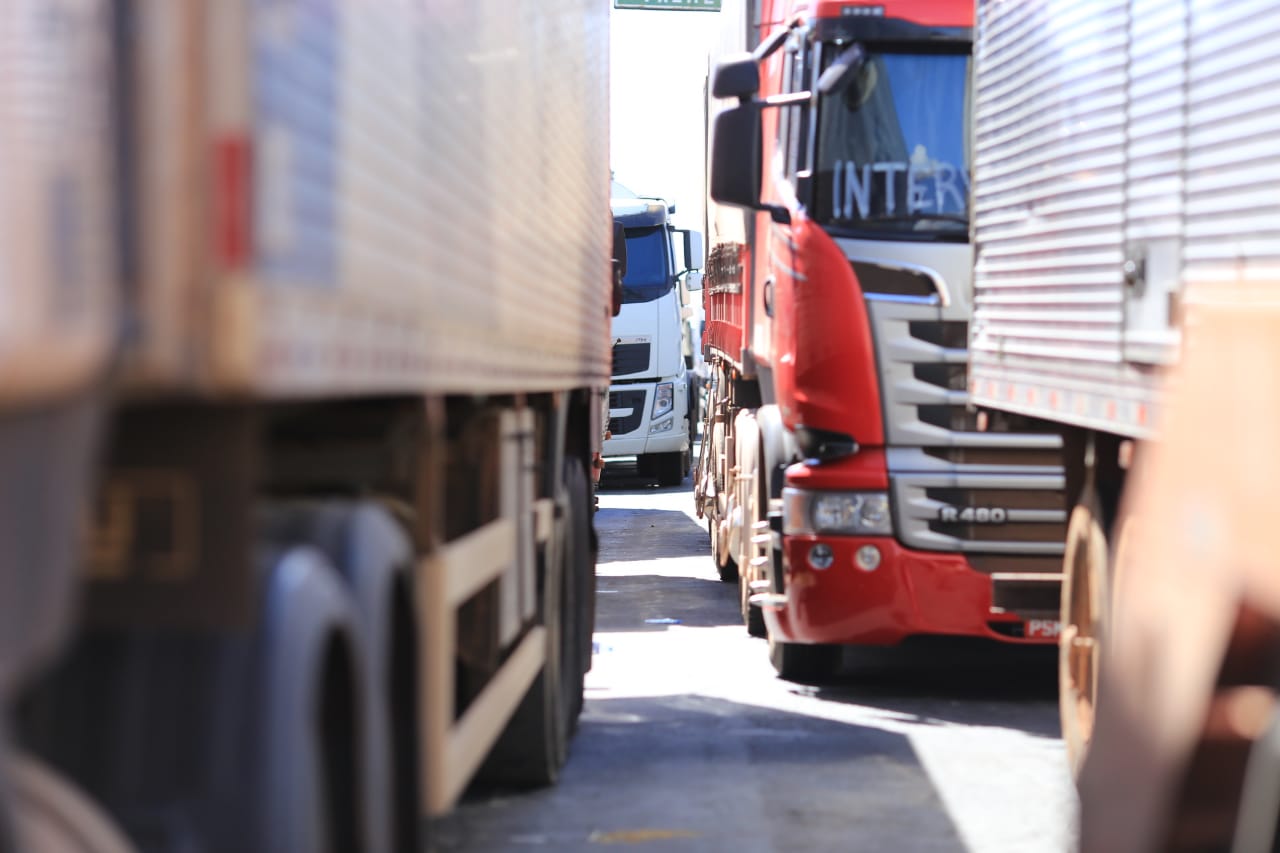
column 580, row 568
column 1084, row 607
column 752, row 616
column 669, row 468
column 373, row 553
column 1258, row 821
column 247, row 739
column 758, row 500
column 52, row 814
column 692, row 409
column 726, row 566
column 803, row 663
column 533, row 747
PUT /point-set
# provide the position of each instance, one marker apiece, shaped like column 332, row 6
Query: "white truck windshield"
column 648, row 266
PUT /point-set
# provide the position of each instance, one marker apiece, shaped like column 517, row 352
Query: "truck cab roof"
column 639, row 212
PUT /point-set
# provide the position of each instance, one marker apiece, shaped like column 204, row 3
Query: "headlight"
column 847, row 513
column 663, row 398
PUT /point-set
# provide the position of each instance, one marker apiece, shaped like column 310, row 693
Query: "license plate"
column 1042, row 629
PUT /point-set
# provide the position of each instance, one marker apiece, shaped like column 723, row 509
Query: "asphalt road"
column 689, row 742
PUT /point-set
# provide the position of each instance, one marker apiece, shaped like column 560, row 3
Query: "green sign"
column 677, row 5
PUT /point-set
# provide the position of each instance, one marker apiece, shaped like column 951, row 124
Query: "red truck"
column 848, row 485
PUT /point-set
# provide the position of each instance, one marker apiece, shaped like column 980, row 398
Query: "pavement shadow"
column 626, row 603
column 952, row 680
column 695, row 773
column 655, row 533
column 622, row 475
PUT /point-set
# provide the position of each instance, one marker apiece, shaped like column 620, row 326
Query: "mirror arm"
column 788, row 99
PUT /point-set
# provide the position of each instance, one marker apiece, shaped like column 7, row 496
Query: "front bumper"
column 910, row 593
column 671, row 442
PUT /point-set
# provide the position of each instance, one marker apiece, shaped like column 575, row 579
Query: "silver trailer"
column 1127, row 198
column 340, row 273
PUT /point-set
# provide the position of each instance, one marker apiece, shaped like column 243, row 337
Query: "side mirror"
column 620, row 247
column 736, row 76
column 619, row 268
column 693, row 281
column 736, row 158
column 693, row 250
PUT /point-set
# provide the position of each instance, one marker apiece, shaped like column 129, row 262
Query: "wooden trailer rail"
column 452, row 750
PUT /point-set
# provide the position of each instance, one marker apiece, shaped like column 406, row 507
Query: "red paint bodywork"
column 825, row 372
column 912, row 592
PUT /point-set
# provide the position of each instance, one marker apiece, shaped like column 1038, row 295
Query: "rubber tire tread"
column 752, row 616
column 669, row 468
column 580, row 566
column 1084, row 531
column 804, row 663
column 532, row 748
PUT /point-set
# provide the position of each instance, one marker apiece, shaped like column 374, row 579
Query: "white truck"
column 653, row 398
column 339, row 559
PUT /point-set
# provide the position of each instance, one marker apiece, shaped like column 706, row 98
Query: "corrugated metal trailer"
column 1128, row 214
column 58, row 326
column 342, row 558
column 375, row 201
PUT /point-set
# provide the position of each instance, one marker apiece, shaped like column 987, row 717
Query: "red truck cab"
column 848, row 485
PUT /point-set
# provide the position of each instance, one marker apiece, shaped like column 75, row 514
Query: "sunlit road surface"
column 689, row 741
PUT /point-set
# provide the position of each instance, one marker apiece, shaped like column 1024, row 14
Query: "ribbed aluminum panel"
column 1232, row 160
column 469, row 195
column 1049, row 191
column 1199, row 193
column 58, row 320
column 429, row 197
column 1157, row 87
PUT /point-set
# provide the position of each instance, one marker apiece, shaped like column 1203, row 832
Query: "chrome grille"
column 940, row 461
column 1013, row 509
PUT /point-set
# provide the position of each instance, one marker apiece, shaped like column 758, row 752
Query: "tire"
column 1258, row 821
column 372, row 552
column 580, row 568
column 1085, row 587
column 51, row 814
column 669, row 468
column 804, row 663
column 534, row 745
column 310, row 671
column 726, row 566
column 693, row 409
column 752, row 616
column 246, row 739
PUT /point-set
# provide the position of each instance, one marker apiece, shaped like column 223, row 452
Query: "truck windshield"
column 892, row 152
column 648, row 269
